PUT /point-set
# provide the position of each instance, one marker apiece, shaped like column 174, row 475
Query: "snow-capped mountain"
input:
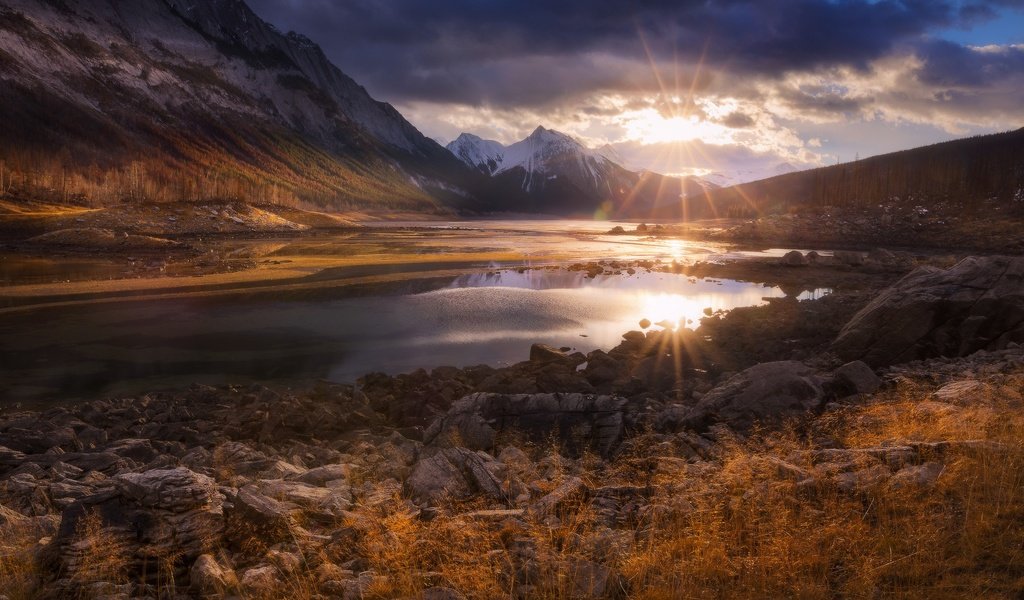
column 559, row 174
column 203, row 85
column 485, row 155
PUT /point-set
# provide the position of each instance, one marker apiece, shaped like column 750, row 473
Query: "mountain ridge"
column 560, row 175
column 206, row 92
column 971, row 175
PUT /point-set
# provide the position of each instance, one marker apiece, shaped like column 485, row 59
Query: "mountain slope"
column 979, row 176
column 200, row 98
column 550, row 172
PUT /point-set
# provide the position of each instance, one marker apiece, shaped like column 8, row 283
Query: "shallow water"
column 499, row 243
column 484, row 318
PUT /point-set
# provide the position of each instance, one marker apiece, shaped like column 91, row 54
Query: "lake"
column 489, row 314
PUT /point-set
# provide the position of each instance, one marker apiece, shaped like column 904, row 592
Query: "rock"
column 175, row 490
column 849, row 258
column 588, row 579
column 862, row 480
column 164, row 515
column 881, row 256
column 581, row 420
column 287, row 563
column 208, row 578
column 545, row 353
column 964, row 392
column 920, row 476
column 768, row 392
column 857, row 378
column 255, row 517
column 441, row 593
column 794, row 258
column 977, row 304
column 11, row 518
column 258, row 581
column 454, row 473
column 570, row 491
column 645, row 323
column 139, row 451
column 602, row 368
column 321, row 475
column 294, row 492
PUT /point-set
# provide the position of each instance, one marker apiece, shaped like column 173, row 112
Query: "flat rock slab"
column 765, row 393
column 580, row 421
column 978, row 304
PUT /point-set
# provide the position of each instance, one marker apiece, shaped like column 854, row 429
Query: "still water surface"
column 480, row 318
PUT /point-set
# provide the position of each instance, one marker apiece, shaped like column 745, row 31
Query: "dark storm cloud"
column 533, row 52
column 951, row 65
column 738, row 120
column 823, row 102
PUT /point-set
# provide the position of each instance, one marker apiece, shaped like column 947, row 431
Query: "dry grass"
column 738, row 527
column 18, row 569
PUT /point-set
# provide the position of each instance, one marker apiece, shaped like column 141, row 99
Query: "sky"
column 735, row 89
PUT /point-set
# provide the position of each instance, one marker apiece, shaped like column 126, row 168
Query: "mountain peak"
column 465, row 137
column 485, row 155
column 542, row 134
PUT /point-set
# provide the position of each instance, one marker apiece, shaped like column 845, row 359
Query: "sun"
column 648, row 126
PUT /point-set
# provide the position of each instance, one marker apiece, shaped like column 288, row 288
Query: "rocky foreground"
column 881, row 458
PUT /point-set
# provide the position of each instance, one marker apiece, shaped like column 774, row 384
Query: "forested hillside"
column 965, row 176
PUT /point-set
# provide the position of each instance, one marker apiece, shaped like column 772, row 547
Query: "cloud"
column 755, row 79
column 537, row 51
column 737, row 120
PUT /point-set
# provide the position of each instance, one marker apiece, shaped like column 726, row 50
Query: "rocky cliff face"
column 205, row 85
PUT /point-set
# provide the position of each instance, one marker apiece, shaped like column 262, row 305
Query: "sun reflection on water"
column 672, row 310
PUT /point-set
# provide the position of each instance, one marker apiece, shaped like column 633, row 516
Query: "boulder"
column 261, row 581
column 153, row 517
column 794, row 258
column 964, row 392
column 848, row 257
column 917, row 476
column 209, row 578
column 857, row 378
column 581, row 420
column 545, row 353
column 569, row 492
column 602, row 369
column 455, row 473
column 321, row 475
column 976, row 304
column 881, row 256
column 261, row 517
column 768, row 392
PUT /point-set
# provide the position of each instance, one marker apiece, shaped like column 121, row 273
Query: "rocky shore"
column 939, row 226
column 863, row 444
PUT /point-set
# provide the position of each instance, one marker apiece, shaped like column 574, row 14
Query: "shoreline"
column 562, row 475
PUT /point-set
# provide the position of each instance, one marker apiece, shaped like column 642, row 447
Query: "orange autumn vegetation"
column 734, row 527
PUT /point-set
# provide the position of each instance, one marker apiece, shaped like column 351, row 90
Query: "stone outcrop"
column 158, row 517
column 456, row 473
column 768, row 392
column 977, row 304
column 580, row 420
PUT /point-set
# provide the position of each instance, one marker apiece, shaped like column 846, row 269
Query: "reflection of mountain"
column 553, row 173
